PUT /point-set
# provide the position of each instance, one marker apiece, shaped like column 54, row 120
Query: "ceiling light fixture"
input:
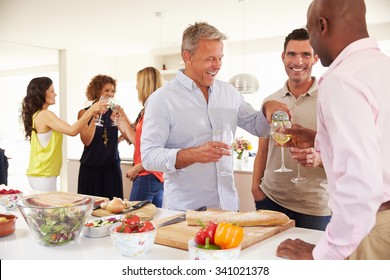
column 245, row 83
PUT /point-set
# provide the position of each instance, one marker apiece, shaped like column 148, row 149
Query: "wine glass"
column 226, row 136
column 299, row 179
column 99, row 121
column 280, row 121
column 114, row 103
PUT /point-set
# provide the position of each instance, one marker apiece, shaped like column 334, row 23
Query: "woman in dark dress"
column 100, row 173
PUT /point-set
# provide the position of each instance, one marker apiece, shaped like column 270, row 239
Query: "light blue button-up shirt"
column 177, row 116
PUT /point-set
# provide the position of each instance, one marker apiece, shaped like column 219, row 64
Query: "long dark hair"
column 34, row 101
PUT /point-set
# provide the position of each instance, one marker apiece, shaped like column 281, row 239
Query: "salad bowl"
column 55, row 219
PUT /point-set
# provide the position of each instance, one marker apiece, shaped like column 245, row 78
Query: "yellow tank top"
column 45, row 161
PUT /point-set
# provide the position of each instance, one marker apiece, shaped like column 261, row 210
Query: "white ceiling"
column 125, row 27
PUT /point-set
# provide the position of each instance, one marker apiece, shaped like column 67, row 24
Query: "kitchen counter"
column 242, row 166
column 242, row 176
column 21, row 245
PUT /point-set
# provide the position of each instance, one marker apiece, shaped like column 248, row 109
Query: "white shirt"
column 177, row 116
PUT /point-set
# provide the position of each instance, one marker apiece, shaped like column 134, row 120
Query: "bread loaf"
column 245, row 219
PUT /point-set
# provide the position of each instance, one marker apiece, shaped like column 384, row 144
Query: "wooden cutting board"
column 57, row 199
column 178, row 235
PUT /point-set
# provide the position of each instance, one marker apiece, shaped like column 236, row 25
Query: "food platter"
column 100, row 227
column 146, row 213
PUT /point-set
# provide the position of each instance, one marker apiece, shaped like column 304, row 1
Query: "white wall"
column 77, row 70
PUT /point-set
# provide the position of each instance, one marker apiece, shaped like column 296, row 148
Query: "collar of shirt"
column 313, row 90
column 187, row 82
column 365, row 43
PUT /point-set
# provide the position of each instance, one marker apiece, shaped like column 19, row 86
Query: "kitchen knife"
column 136, row 206
column 180, row 218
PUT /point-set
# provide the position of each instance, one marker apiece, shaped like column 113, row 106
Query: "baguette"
column 245, row 219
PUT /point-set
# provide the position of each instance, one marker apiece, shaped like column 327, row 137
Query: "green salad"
column 56, row 226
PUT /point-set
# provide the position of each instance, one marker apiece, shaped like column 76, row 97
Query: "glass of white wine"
column 280, row 121
column 99, row 121
column 114, row 104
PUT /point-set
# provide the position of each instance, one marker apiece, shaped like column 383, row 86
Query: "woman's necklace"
column 105, row 136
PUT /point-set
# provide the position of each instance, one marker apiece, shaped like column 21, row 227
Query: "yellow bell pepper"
column 228, row 235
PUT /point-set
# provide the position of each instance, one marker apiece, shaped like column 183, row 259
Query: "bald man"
column 353, row 135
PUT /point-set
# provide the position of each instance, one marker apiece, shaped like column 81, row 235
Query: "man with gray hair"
column 180, row 118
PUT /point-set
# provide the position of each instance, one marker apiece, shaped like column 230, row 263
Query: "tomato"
column 132, row 220
column 10, row 191
column 147, row 226
column 119, row 228
column 127, row 229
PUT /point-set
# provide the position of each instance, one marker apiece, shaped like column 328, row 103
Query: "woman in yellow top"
column 44, row 130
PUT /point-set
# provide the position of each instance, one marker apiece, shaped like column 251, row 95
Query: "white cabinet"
column 243, row 171
column 243, row 181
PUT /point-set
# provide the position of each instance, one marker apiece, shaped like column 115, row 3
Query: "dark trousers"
column 3, row 168
column 147, row 187
column 301, row 220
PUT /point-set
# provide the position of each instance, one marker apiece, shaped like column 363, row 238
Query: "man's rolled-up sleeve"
column 155, row 132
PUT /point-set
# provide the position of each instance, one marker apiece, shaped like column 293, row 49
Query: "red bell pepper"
column 206, row 232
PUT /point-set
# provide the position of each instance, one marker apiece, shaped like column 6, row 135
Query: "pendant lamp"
column 245, row 83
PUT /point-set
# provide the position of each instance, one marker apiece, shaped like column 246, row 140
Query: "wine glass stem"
column 282, row 153
column 299, row 171
column 100, row 118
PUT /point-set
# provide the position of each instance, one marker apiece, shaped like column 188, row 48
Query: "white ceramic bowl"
column 9, row 200
column 102, row 228
column 133, row 244
column 196, row 253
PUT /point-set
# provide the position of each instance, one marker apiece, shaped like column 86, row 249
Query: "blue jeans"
column 301, row 220
column 147, row 187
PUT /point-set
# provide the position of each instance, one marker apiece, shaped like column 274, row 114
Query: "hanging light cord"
column 244, row 83
column 159, row 15
column 243, row 34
